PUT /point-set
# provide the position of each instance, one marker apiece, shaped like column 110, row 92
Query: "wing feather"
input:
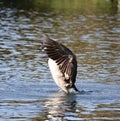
column 64, row 58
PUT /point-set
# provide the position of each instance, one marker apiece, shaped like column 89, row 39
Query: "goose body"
column 62, row 63
column 56, row 74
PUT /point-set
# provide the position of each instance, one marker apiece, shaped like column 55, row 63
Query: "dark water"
column 90, row 28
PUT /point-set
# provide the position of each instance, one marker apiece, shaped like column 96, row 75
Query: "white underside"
column 57, row 75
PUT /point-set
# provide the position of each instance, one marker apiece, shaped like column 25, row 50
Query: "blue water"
column 27, row 90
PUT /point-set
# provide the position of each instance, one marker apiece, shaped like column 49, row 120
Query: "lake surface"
column 91, row 29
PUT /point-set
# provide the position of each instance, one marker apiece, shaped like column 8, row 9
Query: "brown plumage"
column 64, row 70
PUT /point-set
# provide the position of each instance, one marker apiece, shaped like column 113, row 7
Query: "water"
column 90, row 29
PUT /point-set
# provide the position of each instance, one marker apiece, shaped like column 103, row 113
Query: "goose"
column 62, row 63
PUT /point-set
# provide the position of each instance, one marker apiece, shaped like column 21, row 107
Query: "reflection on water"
column 60, row 106
column 90, row 28
column 87, row 105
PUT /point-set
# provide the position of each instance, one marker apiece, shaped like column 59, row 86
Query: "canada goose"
column 62, row 63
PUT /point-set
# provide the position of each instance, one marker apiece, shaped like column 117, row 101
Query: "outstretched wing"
column 64, row 58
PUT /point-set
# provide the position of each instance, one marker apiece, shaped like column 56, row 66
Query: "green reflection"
column 66, row 6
